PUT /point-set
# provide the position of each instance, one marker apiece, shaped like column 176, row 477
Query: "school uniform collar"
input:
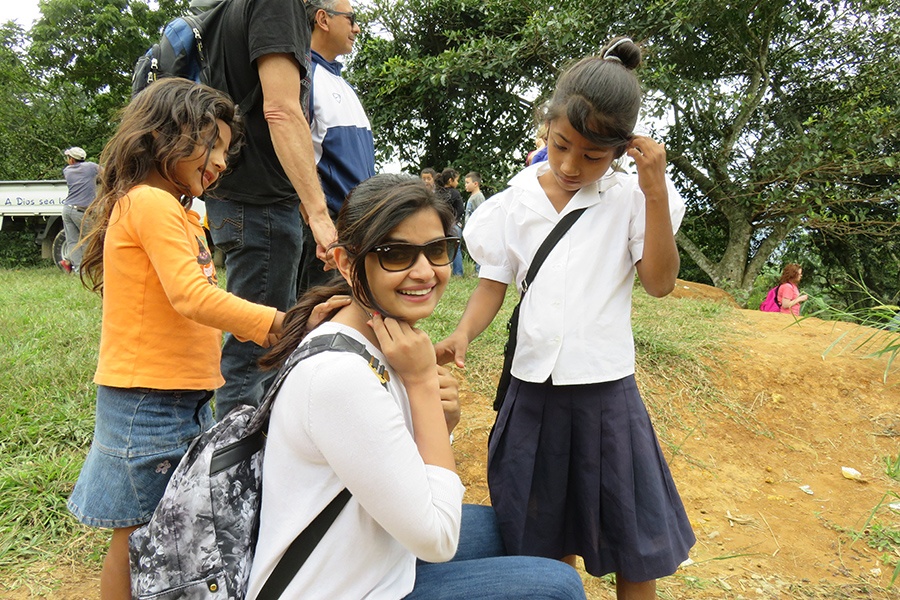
column 535, row 198
column 334, row 66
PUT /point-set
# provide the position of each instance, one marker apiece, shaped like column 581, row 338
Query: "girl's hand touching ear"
column 650, row 159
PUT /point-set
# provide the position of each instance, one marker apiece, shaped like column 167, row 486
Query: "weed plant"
column 878, row 336
column 892, row 467
column 881, row 531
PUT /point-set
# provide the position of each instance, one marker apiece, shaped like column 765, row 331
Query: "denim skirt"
column 140, row 435
column 578, row 470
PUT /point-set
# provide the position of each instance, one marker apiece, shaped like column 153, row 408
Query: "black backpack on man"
column 190, row 47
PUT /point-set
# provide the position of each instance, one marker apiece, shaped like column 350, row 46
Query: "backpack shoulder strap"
column 303, row 545
column 254, row 436
column 334, row 342
column 206, row 15
column 300, row 549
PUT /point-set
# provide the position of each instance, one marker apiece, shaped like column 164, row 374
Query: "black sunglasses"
column 350, row 15
column 399, row 256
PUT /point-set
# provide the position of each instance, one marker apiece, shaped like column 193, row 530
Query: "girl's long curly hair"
column 163, row 125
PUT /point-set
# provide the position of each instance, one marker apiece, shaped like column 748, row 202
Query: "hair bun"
column 624, row 51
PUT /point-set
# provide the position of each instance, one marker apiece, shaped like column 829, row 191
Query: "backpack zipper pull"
column 199, row 39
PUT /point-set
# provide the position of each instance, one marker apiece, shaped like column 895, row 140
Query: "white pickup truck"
column 37, row 205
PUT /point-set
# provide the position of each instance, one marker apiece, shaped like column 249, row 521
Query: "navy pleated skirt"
column 578, row 470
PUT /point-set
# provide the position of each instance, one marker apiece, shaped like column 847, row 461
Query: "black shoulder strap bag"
column 513, row 325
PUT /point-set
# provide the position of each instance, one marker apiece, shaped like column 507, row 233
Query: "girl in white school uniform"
column 574, row 466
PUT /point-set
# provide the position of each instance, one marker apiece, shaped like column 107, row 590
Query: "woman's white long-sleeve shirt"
column 334, row 425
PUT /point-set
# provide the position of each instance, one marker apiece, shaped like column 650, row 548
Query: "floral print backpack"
column 200, row 541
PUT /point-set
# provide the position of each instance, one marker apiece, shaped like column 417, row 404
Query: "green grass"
column 484, row 357
column 49, row 335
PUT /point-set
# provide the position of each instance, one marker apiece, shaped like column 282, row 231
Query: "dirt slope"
column 799, row 419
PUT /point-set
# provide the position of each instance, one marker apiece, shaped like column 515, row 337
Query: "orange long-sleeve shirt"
column 163, row 311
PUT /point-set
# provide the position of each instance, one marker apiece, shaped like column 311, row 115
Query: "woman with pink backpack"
column 789, row 296
column 786, row 297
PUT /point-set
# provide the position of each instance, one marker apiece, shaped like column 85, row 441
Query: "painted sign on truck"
column 31, row 198
column 38, row 205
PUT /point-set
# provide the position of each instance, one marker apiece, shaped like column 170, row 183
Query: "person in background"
column 428, row 174
column 574, row 465
column 473, row 187
column 81, row 179
column 539, row 153
column 163, row 312
column 255, row 212
column 341, row 134
column 445, row 185
column 789, row 296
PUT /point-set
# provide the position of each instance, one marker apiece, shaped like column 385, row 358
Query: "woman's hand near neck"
column 410, row 353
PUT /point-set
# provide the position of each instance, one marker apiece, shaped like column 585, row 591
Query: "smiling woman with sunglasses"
column 335, row 425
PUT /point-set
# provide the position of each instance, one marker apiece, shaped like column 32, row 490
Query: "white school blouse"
column 334, row 425
column 575, row 320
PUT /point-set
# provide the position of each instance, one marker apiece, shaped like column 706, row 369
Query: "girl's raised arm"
column 481, row 309
column 658, row 267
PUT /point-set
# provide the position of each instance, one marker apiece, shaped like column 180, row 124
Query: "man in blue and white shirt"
column 341, row 133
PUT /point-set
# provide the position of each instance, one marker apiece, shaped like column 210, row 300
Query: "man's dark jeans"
column 261, row 243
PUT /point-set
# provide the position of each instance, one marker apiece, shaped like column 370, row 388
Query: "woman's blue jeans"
column 481, row 568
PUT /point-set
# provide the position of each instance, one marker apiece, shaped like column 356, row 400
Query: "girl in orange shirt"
column 163, row 312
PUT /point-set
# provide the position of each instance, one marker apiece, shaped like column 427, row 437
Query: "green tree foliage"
column 784, row 115
column 62, row 82
column 14, row 82
column 456, row 82
column 777, row 116
column 94, row 43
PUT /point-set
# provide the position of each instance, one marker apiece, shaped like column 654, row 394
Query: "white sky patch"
column 23, row 12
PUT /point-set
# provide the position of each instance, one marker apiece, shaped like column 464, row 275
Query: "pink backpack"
column 770, row 304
